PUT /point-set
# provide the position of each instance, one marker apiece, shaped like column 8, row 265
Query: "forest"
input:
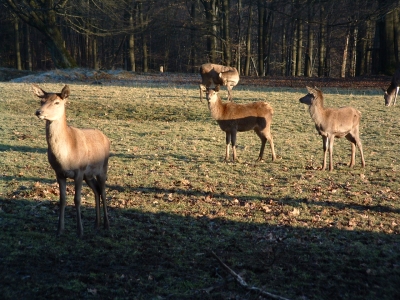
column 311, row 38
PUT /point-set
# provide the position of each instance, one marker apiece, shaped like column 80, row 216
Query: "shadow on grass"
column 24, row 149
column 222, row 196
column 162, row 255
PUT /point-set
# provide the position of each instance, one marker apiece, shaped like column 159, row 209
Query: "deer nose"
column 38, row 112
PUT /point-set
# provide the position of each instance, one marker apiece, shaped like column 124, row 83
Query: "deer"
column 75, row 153
column 233, row 117
column 393, row 89
column 334, row 123
column 219, row 75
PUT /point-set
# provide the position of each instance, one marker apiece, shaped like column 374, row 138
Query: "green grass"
column 284, row 226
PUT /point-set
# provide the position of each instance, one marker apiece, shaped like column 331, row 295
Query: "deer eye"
column 56, row 102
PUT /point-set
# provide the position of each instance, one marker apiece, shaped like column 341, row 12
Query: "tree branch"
column 243, row 283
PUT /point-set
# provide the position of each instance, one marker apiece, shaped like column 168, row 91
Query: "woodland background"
column 309, row 38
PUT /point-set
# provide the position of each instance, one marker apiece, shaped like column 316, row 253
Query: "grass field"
column 285, row 227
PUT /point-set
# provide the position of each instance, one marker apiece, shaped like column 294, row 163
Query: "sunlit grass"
column 172, row 199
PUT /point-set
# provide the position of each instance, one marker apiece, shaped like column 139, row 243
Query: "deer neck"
column 392, row 88
column 57, row 136
column 317, row 111
column 216, row 108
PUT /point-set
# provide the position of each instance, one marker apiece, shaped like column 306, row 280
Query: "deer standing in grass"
column 80, row 154
column 232, row 118
column 334, row 122
column 393, row 89
column 219, row 75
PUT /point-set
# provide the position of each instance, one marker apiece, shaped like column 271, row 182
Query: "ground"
column 121, row 77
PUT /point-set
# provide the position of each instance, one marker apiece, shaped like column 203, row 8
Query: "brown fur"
column 219, row 75
column 392, row 91
column 232, row 118
column 80, row 154
column 334, row 122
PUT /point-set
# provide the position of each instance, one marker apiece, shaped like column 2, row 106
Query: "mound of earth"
column 122, row 77
column 7, row 74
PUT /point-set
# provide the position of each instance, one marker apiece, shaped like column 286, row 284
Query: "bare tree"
column 43, row 16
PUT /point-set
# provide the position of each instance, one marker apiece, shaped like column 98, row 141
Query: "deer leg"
column 263, row 141
column 233, row 133
column 62, row 183
column 227, row 142
column 331, row 140
column 355, row 140
column 352, row 140
column 77, row 200
column 102, row 182
column 359, row 145
column 93, row 184
column 229, row 88
column 268, row 135
column 353, row 155
column 395, row 96
column 325, row 141
column 201, row 92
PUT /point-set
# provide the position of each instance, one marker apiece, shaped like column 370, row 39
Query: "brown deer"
column 232, row 118
column 334, row 122
column 219, row 75
column 393, row 89
column 80, row 154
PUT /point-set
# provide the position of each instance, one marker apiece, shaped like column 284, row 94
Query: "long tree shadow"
column 25, row 149
column 222, row 196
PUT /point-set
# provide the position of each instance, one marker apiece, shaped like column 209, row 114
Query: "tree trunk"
column 248, row 41
column 386, row 45
column 59, row 54
column 390, row 62
column 261, row 20
column 211, row 11
column 284, row 53
column 193, row 38
column 145, row 57
column 363, row 48
column 396, row 34
column 17, row 45
column 327, row 63
column 270, row 41
column 28, row 49
column 44, row 19
column 353, row 60
column 131, row 47
column 299, row 58
column 310, row 44
column 226, row 32
column 239, row 34
column 294, row 51
column 94, row 54
column 322, row 36
column 345, row 53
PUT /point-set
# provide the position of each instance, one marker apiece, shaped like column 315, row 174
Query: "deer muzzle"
column 38, row 114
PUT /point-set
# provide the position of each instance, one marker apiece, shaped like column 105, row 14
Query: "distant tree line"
column 322, row 38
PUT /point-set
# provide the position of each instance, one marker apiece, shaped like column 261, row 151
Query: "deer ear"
column 310, row 90
column 65, row 92
column 216, row 89
column 38, row 91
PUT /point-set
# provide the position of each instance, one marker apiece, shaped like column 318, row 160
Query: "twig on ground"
column 243, row 283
